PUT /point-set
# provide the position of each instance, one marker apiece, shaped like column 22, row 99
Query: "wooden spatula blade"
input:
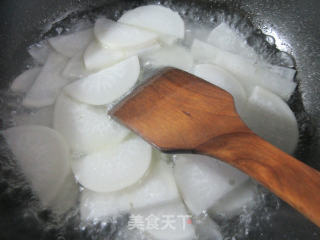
column 175, row 111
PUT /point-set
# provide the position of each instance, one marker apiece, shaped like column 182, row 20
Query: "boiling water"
column 15, row 194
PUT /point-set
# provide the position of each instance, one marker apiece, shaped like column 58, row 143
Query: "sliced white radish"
column 43, row 156
column 107, row 85
column 97, row 57
column 122, row 36
column 42, row 116
column 24, row 81
column 198, row 175
column 228, row 39
column 71, row 44
column 86, row 128
column 158, row 187
column 75, row 67
column 272, row 119
column 221, row 78
column 155, row 18
column 240, row 199
column 114, row 167
column 247, row 71
column 207, row 229
column 40, row 51
column 66, row 197
column 124, row 234
column 176, row 56
column 171, row 221
column 48, row 84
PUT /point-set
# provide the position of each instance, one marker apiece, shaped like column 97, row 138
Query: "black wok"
column 295, row 24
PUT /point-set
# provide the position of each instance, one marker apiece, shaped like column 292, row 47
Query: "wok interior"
column 22, row 25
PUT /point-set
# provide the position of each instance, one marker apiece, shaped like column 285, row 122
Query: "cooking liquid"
column 16, row 194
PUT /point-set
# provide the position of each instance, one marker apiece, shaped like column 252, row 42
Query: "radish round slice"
column 172, row 222
column 43, row 156
column 272, row 119
column 198, row 175
column 121, row 36
column 176, row 56
column 224, row 80
column 86, row 128
column 107, row 85
column 97, row 57
column 75, row 67
column 40, row 51
column 207, row 229
column 71, row 44
column 24, row 81
column 228, row 39
column 155, row 18
column 158, row 187
column 48, row 84
column 115, row 167
column 42, row 116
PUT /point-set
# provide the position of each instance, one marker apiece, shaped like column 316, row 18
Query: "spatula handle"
column 290, row 179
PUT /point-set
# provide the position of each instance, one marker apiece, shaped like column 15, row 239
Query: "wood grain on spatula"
column 176, row 111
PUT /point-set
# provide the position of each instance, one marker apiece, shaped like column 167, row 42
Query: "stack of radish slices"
column 65, row 138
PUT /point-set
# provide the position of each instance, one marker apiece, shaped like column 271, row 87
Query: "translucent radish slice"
column 155, row 18
column 226, row 38
column 114, row 167
column 173, row 222
column 48, row 84
column 121, row 36
column 40, row 51
column 207, row 177
column 124, row 234
column 224, row 80
column 156, row 188
column 247, row 71
column 75, row 68
column 175, row 56
column 240, row 199
column 86, row 128
column 107, row 85
column 25, row 80
column 272, row 119
column 42, row 116
column 43, row 156
column 97, row 57
column 207, row 229
column 71, row 44
column 66, row 197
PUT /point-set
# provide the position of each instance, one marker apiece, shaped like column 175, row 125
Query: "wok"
column 293, row 23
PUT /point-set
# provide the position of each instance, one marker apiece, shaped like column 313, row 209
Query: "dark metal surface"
column 295, row 24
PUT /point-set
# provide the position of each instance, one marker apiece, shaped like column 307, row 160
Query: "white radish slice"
column 272, row 119
column 86, row 128
column 48, row 84
column 121, row 36
column 198, row 175
column 114, row 167
column 172, row 222
column 42, row 116
column 66, row 197
column 158, row 187
column 175, row 56
column 247, row 71
column 71, row 44
column 207, row 229
column 228, row 39
column 43, row 156
column 155, row 18
column 40, row 51
column 25, row 80
column 107, row 85
column 97, row 57
column 124, row 234
column 224, row 80
column 75, row 67
column 240, row 199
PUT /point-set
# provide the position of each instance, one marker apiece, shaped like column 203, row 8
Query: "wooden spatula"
column 178, row 112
